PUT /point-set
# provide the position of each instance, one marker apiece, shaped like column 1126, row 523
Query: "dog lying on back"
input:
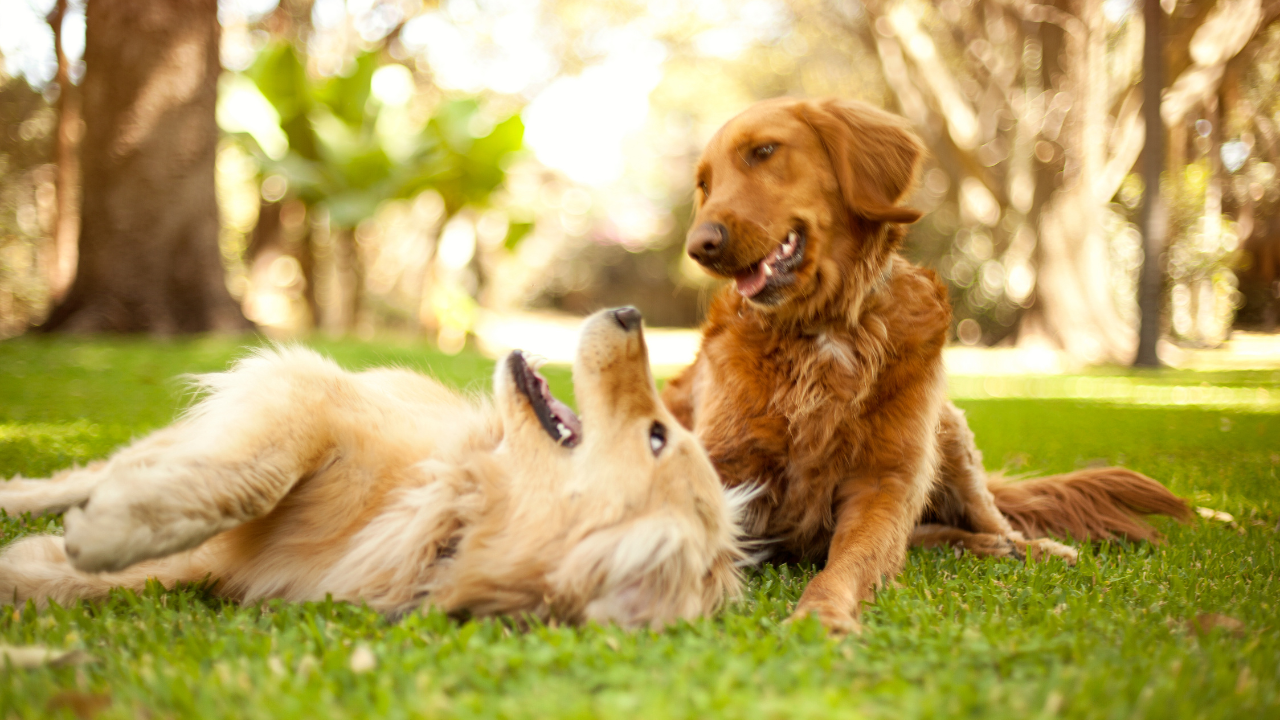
column 820, row 372
column 295, row 479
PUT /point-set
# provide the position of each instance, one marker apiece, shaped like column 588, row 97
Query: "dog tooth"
column 564, row 431
column 792, row 237
column 768, row 270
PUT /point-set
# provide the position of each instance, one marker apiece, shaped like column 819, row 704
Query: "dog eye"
column 657, row 438
column 706, row 191
column 764, row 151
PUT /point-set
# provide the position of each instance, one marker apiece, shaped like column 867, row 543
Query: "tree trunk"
column 60, row 253
column 149, row 259
column 307, row 263
column 1151, row 282
column 349, row 298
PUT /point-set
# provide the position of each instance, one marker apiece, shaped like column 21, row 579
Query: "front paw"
column 20, row 495
column 104, row 538
column 835, row 617
column 50, row 497
column 38, row 497
column 111, row 532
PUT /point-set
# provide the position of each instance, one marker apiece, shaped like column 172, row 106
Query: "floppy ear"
column 652, row 571
column 875, row 156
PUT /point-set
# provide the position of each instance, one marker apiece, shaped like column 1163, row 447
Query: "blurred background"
column 481, row 171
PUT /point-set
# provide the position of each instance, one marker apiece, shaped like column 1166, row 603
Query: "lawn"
column 1115, row 636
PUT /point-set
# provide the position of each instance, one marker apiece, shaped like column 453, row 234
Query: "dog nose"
column 705, row 241
column 628, row 317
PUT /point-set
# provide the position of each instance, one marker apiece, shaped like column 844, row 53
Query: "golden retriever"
column 820, row 371
column 295, row 479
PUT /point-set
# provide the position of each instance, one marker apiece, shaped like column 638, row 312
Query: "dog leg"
column 230, row 461
column 153, row 506
column 991, row 544
column 870, row 542
column 964, row 479
column 981, row 544
column 50, row 497
column 878, row 500
column 969, row 497
column 36, row 568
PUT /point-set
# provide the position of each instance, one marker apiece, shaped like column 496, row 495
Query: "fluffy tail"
column 1095, row 504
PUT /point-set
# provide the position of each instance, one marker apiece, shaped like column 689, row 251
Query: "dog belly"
column 289, row 552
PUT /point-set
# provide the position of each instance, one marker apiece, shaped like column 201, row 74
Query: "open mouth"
column 774, row 269
column 560, row 422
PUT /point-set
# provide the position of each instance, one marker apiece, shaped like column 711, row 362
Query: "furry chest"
column 790, row 419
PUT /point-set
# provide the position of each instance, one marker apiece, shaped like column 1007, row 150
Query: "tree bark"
column 307, row 263
column 1151, row 281
column 60, row 253
column 149, row 259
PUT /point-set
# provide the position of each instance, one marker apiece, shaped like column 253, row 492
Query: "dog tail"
column 1094, row 504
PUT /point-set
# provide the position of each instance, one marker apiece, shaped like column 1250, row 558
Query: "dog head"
column 791, row 194
column 652, row 536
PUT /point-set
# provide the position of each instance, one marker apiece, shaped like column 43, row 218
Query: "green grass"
column 955, row 637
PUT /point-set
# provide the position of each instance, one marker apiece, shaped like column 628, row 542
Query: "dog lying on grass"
column 820, row 372
column 295, row 479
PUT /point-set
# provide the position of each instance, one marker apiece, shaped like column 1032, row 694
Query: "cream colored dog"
column 295, row 479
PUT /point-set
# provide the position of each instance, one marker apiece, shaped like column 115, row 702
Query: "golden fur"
column 820, row 372
column 295, row 479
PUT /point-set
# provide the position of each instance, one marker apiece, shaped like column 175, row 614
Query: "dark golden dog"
column 820, row 373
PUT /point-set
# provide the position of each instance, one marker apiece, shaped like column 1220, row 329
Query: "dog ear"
column 875, row 156
column 650, row 571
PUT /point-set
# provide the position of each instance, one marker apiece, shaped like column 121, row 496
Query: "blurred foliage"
column 27, row 124
column 338, row 155
column 386, row 140
column 1199, row 263
column 347, row 146
column 1254, row 183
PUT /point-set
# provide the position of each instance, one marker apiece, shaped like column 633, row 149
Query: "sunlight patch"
column 1129, row 391
column 76, row 439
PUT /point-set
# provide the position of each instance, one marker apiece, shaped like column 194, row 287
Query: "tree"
column 1035, row 109
column 1153, row 218
column 148, row 246
column 60, row 260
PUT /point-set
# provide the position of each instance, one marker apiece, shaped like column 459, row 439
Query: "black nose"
column 628, row 317
column 705, row 242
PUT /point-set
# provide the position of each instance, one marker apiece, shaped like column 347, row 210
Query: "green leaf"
column 516, row 232
column 347, row 96
column 282, row 80
column 336, row 157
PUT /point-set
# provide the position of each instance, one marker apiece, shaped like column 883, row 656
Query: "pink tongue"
column 565, row 415
column 750, row 283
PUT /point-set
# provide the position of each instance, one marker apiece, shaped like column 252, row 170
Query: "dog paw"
column 1042, row 549
column 19, row 495
column 1015, row 550
column 991, row 545
column 112, row 531
column 104, row 538
column 38, row 497
column 49, row 497
column 837, row 621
